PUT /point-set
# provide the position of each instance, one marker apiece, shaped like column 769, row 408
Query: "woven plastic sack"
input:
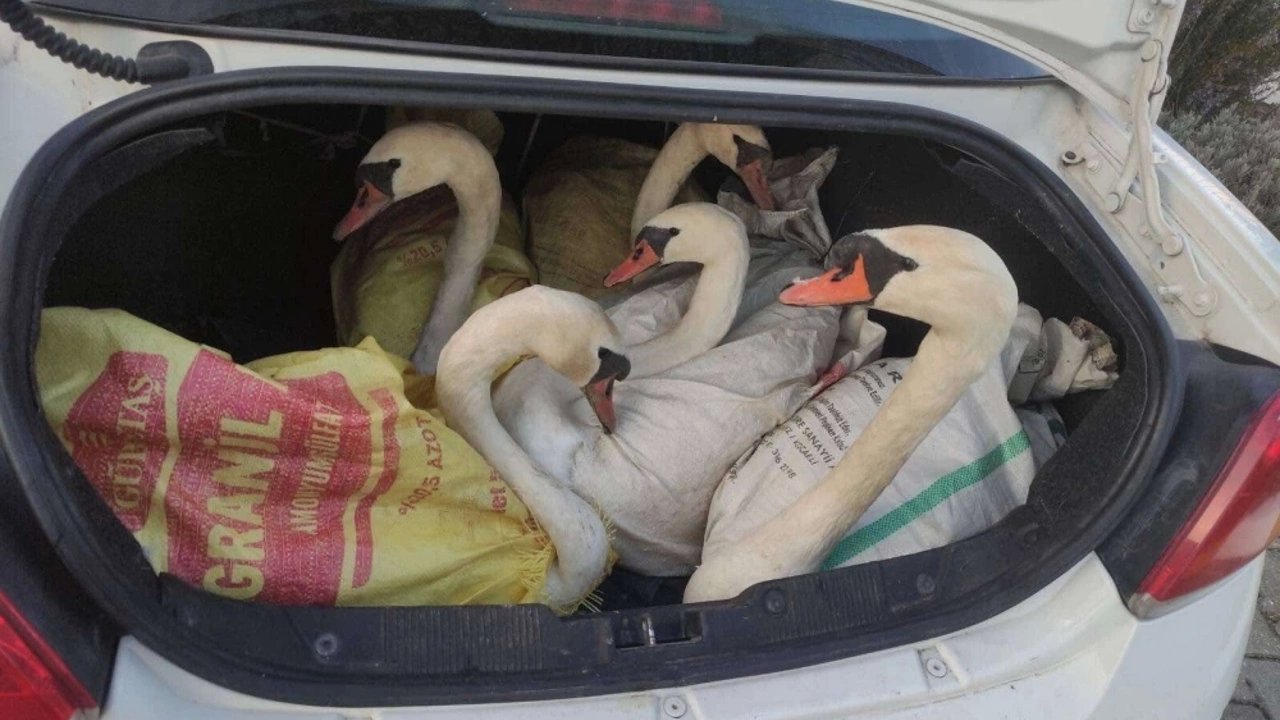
column 300, row 479
column 578, row 206
column 385, row 278
column 970, row 471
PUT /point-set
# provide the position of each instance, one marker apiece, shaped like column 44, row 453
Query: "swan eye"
column 394, row 163
column 909, row 264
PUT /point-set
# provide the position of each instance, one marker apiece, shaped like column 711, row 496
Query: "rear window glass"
column 802, row 34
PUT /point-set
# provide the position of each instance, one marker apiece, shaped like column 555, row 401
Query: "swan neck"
column 710, row 314
column 671, row 168
column 479, row 198
column 942, row 371
column 574, row 528
column 937, row 378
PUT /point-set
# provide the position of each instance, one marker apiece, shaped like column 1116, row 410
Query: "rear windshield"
column 799, row 34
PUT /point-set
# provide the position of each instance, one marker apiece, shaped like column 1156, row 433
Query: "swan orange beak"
column 754, row 176
column 600, row 396
column 641, row 259
column 836, row 286
column 369, row 202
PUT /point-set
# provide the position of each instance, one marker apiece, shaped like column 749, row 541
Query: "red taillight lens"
column 1235, row 522
column 34, row 684
column 701, row 14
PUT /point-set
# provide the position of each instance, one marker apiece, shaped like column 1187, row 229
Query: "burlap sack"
column 578, row 205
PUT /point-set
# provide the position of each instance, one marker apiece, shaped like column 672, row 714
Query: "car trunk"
column 210, row 216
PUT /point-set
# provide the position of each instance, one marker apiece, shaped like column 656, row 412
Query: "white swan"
column 572, row 336
column 691, row 405
column 742, row 148
column 698, row 233
column 944, row 277
column 408, row 160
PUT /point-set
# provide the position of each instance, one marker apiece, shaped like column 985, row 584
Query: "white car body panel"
column 1070, row 651
column 1094, row 46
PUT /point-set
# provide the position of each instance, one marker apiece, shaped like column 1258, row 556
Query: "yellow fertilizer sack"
column 385, row 277
column 300, row 479
column 578, row 206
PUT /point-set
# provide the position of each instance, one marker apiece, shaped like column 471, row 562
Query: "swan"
column 743, row 148
column 406, row 161
column 691, row 404
column 604, row 190
column 713, row 238
column 941, row 276
column 572, row 336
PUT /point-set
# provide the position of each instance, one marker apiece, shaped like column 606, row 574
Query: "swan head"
column 408, row 160
column 574, row 337
column 693, row 232
column 568, row 332
column 941, row 276
column 745, row 149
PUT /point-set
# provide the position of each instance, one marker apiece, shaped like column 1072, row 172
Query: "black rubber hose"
column 18, row 16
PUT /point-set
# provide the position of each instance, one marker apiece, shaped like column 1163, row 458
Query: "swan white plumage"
column 570, row 335
column 944, row 277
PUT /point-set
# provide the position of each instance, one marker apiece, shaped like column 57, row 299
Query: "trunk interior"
column 217, row 229
column 254, row 209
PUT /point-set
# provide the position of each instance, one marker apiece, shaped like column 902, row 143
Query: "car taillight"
column 684, row 13
column 1234, row 522
column 34, row 684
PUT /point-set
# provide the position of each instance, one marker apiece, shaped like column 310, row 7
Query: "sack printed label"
column 819, row 433
column 263, row 479
column 116, row 433
column 308, row 478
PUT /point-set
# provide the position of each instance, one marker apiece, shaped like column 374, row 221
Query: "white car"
column 1123, row 588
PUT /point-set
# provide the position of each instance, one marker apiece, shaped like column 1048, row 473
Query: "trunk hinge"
column 1170, row 257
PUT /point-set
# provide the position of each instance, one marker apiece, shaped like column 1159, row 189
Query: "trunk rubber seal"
column 51, row 480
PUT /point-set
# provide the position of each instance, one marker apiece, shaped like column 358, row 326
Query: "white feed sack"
column 678, row 432
column 970, row 471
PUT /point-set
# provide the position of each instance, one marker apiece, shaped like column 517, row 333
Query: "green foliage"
column 1224, row 52
column 1242, row 149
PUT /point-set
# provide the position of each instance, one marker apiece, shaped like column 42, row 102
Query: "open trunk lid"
column 1097, row 47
